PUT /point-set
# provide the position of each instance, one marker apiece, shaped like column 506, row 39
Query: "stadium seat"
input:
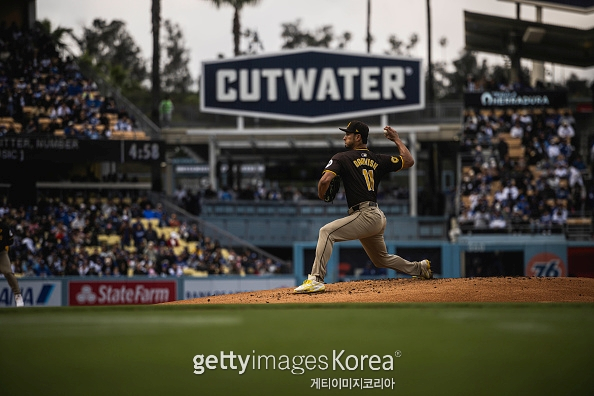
column 516, row 152
column 141, row 135
column 579, row 228
column 117, row 135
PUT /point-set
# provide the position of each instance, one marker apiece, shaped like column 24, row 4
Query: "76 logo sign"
column 547, row 269
column 546, row 264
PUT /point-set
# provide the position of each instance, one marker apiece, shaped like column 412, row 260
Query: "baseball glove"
column 332, row 189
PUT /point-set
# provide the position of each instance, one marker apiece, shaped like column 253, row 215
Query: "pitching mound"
column 504, row 289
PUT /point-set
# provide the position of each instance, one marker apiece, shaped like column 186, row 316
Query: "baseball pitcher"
column 360, row 171
column 6, row 240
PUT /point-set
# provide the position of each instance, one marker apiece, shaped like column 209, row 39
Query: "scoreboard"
column 56, row 149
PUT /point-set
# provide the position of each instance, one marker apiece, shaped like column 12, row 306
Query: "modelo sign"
column 121, row 293
column 312, row 85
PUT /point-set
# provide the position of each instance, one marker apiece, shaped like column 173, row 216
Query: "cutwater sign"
column 312, row 85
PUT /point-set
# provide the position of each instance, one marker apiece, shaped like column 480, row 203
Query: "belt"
column 362, row 205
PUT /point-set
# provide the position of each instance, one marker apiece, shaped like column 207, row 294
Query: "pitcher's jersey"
column 361, row 171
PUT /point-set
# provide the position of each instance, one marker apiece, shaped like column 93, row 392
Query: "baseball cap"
column 357, row 127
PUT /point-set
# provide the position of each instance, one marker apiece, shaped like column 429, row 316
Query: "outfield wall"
column 522, row 255
column 485, row 255
column 93, row 291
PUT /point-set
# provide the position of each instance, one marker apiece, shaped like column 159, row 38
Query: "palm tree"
column 429, row 60
column 237, row 6
column 369, row 39
column 156, row 76
column 57, row 34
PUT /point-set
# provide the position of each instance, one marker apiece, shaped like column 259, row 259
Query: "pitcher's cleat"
column 426, row 272
column 18, row 299
column 310, row 286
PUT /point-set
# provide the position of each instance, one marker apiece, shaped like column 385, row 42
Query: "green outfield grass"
column 435, row 349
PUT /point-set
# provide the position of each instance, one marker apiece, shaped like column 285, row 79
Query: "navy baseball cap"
column 357, row 127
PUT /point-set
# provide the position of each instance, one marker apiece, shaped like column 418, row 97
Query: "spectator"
column 553, row 149
column 536, row 151
column 565, row 131
column 578, row 163
column 517, row 131
column 150, row 235
column 180, row 195
column 481, row 219
column 485, row 134
column 165, row 112
column 545, row 222
column 138, row 234
column 559, row 216
column 497, row 221
column 502, row 150
column 511, row 192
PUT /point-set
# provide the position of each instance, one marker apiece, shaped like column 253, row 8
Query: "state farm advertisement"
column 85, row 293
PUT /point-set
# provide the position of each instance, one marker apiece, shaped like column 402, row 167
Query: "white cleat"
column 19, row 300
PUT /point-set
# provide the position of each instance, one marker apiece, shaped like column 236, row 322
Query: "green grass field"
column 457, row 349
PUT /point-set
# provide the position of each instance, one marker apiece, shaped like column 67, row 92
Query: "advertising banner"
column 312, row 85
column 88, row 293
column 494, row 99
column 195, row 288
column 550, row 262
column 42, row 293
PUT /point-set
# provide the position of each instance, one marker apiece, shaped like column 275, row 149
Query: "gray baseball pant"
column 367, row 225
column 6, row 270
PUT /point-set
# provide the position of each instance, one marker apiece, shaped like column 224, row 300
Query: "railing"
column 575, row 228
column 280, row 223
column 189, row 115
column 212, row 231
column 289, row 208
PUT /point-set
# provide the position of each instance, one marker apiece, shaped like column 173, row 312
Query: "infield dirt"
column 500, row 289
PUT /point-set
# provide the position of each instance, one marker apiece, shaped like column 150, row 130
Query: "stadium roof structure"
column 577, row 6
column 531, row 40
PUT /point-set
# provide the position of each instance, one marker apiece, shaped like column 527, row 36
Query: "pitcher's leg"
column 375, row 247
column 7, row 272
column 344, row 229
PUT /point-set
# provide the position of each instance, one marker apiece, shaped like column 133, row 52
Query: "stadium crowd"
column 44, row 93
column 113, row 237
column 524, row 173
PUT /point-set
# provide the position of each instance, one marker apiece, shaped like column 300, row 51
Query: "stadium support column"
column 212, row 162
column 412, row 177
column 537, row 66
column 156, row 177
column 23, row 184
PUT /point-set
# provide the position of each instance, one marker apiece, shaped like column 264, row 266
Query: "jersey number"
column 368, row 174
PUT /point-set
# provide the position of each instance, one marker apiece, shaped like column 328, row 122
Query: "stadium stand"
column 42, row 93
column 522, row 173
column 120, row 237
column 65, row 234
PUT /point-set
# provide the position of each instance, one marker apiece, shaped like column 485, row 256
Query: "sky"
column 208, row 30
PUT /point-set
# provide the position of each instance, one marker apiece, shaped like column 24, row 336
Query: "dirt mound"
column 503, row 289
